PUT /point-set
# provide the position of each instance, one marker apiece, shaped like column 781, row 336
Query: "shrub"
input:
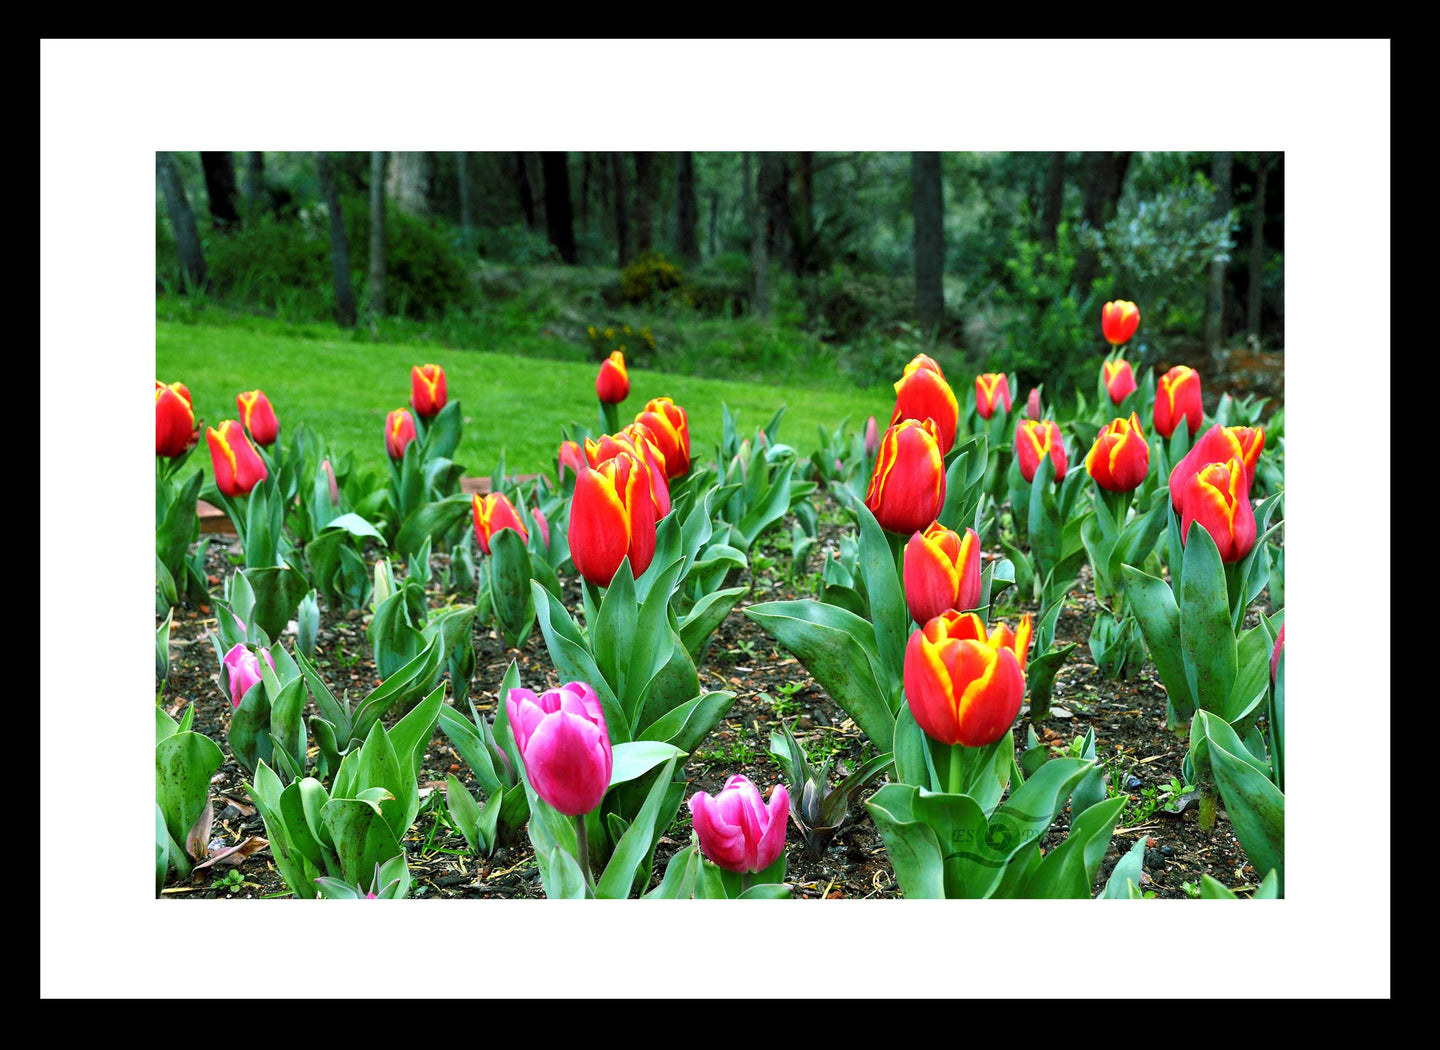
column 648, row 275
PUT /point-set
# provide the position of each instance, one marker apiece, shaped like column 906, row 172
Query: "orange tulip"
column 1218, row 497
column 1119, row 379
column 493, row 513
column 427, row 390
column 923, row 393
column 612, row 385
column 1178, row 396
column 1217, row 445
column 399, row 432
column 1118, row 320
column 635, row 440
column 990, row 388
column 1033, row 441
column 964, row 686
column 907, row 488
column 238, row 467
column 175, row 429
column 612, row 516
column 1120, row 457
column 942, row 572
column 670, row 430
column 258, row 416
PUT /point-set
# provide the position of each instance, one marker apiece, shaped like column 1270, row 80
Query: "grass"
column 342, row 388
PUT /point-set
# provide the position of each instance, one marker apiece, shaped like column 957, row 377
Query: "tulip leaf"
column 1256, row 806
column 634, row 845
column 1154, row 606
column 1252, row 677
column 654, row 641
column 1040, row 674
column 297, row 872
column 888, row 611
column 910, row 751
column 911, row 845
column 463, row 811
column 1025, row 816
column 184, row 764
column 400, row 685
column 297, row 804
column 249, row 735
column 681, row 876
column 467, row 741
column 278, row 590
column 431, row 519
column 410, row 736
column 573, row 660
column 562, row 877
column 638, row 757
column 379, row 766
column 1125, row 873
column 1069, row 870
column 287, row 721
column 706, row 615
column 687, row 725
column 362, row 838
column 675, row 683
column 1207, row 640
column 509, row 573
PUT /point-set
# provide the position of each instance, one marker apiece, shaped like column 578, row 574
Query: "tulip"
column 1033, row 441
column 1177, row 395
column 242, row 670
column 907, row 488
column 1120, row 457
column 1119, row 379
column 544, row 526
column 964, row 686
column 238, row 467
column 1275, row 655
column 612, row 516
column 1218, row 497
column 258, row 417
column 1032, row 404
column 493, row 513
column 399, row 432
column 923, row 393
column 564, row 745
column 635, row 440
column 1218, row 445
column 427, row 390
column 612, row 384
column 737, row 830
column 670, row 430
column 989, row 389
column 872, row 437
column 330, row 481
column 1118, row 320
column 175, row 429
column 571, row 457
column 942, row 572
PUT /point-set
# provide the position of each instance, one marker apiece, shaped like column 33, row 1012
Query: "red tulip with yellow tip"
column 492, row 513
column 922, row 393
column 907, row 488
column 942, row 572
column 1118, row 320
column 635, row 440
column 1120, row 457
column 175, row 429
column 1218, row 497
column 238, row 467
column 612, row 384
column 1033, row 441
column 399, row 432
column 964, row 685
column 1217, row 445
column 1119, row 379
column 612, row 516
column 1177, row 396
column 670, row 429
column 258, row 416
column 427, row 390
column 991, row 389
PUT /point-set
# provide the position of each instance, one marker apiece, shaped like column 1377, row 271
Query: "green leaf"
column 634, row 845
column 686, row 726
column 1126, row 872
column 1207, row 640
column 638, row 757
column 1069, row 870
column 573, row 660
column 362, row 838
column 510, row 572
column 1255, row 805
column 912, row 846
column 463, row 810
column 184, row 764
column 1153, row 604
column 888, row 611
column 431, row 519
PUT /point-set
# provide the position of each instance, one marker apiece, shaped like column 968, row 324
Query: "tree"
column 221, row 190
column 928, row 208
column 1220, row 166
column 1104, row 179
column 522, row 185
column 622, row 218
column 339, row 246
column 774, row 191
column 254, row 184
column 182, row 220
column 759, row 263
column 645, row 196
column 1053, row 202
column 559, row 226
column 805, row 207
column 377, row 233
column 410, row 178
column 686, row 247
column 1264, row 162
column 461, row 162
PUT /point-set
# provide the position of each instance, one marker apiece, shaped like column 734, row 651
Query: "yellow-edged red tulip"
column 1033, row 441
column 670, row 430
column 258, row 416
column 1217, row 445
column 942, row 572
column 1177, row 396
column 612, row 516
column 965, row 686
column 1119, row 379
column 635, row 440
column 175, row 429
column 922, row 393
column 990, row 389
column 612, row 384
column 238, row 467
column 1218, row 497
column 427, row 390
column 1118, row 320
column 493, row 513
column 1120, row 457
column 907, row 488
column 570, row 458
column 399, row 432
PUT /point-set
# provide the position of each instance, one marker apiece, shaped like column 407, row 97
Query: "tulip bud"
column 872, row 437
column 990, row 389
column 612, row 385
column 544, row 526
column 907, row 488
column 1033, row 441
column 570, row 457
column 670, row 430
column 1275, row 654
column 922, row 393
column 736, row 829
column 399, row 432
column 238, row 467
column 1120, row 457
column 1119, row 379
column 635, row 440
column 942, row 572
column 965, row 687
column 1118, row 320
column 1178, row 395
column 258, row 416
column 564, row 744
column 1217, row 445
column 1218, row 497
column 427, row 390
column 1032, row 404
column 612, row 516
column 330, row 480
column 175, row 429
column 242, row 671
column 491, row 514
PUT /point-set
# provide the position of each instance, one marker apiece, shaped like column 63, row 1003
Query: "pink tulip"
column 1275, row 655
column 542, row 525
column 872, row 437
column 330, row 480
column 737, row 830
column 243, row 669
column 563, row 742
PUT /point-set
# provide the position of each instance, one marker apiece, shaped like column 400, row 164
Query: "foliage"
column 648, row 275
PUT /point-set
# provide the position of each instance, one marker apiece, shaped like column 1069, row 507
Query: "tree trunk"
column 254, row 184
column 339, row 246
column 805, row 204
column 527, row 198
column 559, row 225
column 182, row 220
column 409, row 186
column 1104, row 180
column 1220, row 167
column 622, row 218
column 645, row 201
column 377, row 233
column 587, row 179
column 1257, row 244
column 774, row 193
column 714, row 222
column 461, row 163
column 928, row 209
column 685, row 209
column 759, row 263
column 221, row 190
column 1053, row 203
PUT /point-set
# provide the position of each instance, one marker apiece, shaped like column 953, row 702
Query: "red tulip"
column 542, row 525
column 564, row 743
column 965, row 687
column 238, row 467
column 1217, row 445
column 990, row 388
column 493, row 513
column 175, row 429
column 258, row 416
column 635, row 440
column 1032, row 404
column 399, row 432
column 736, row 829
column 1119, row 379
column 571, row 457
column 907, row 488
column 670, row 430
column 1177, row 396
column 612, row 516
column 1032, row 441
column 923, row 393
column 942, row 572
column 1118, row 320
column 612, row 385
column 1120, row 457
column 1218, row 497
column 427, row 390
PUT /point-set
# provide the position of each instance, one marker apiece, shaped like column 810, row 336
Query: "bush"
column 424, row 275
column 647, row 276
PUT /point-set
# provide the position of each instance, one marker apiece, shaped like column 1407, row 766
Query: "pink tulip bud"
column 737, row 830
column 330, row 478
column 1032, row 404
column 243, row 670
column 872, row 437
column 542, row 525
column 1275, row 656
column 564, row 744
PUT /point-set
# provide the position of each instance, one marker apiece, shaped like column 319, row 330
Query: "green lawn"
column 343, row 389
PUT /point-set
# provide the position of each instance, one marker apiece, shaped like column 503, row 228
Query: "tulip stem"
column 582, row 852
column 747, row 878
column 610, row 417
column 957, row 766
